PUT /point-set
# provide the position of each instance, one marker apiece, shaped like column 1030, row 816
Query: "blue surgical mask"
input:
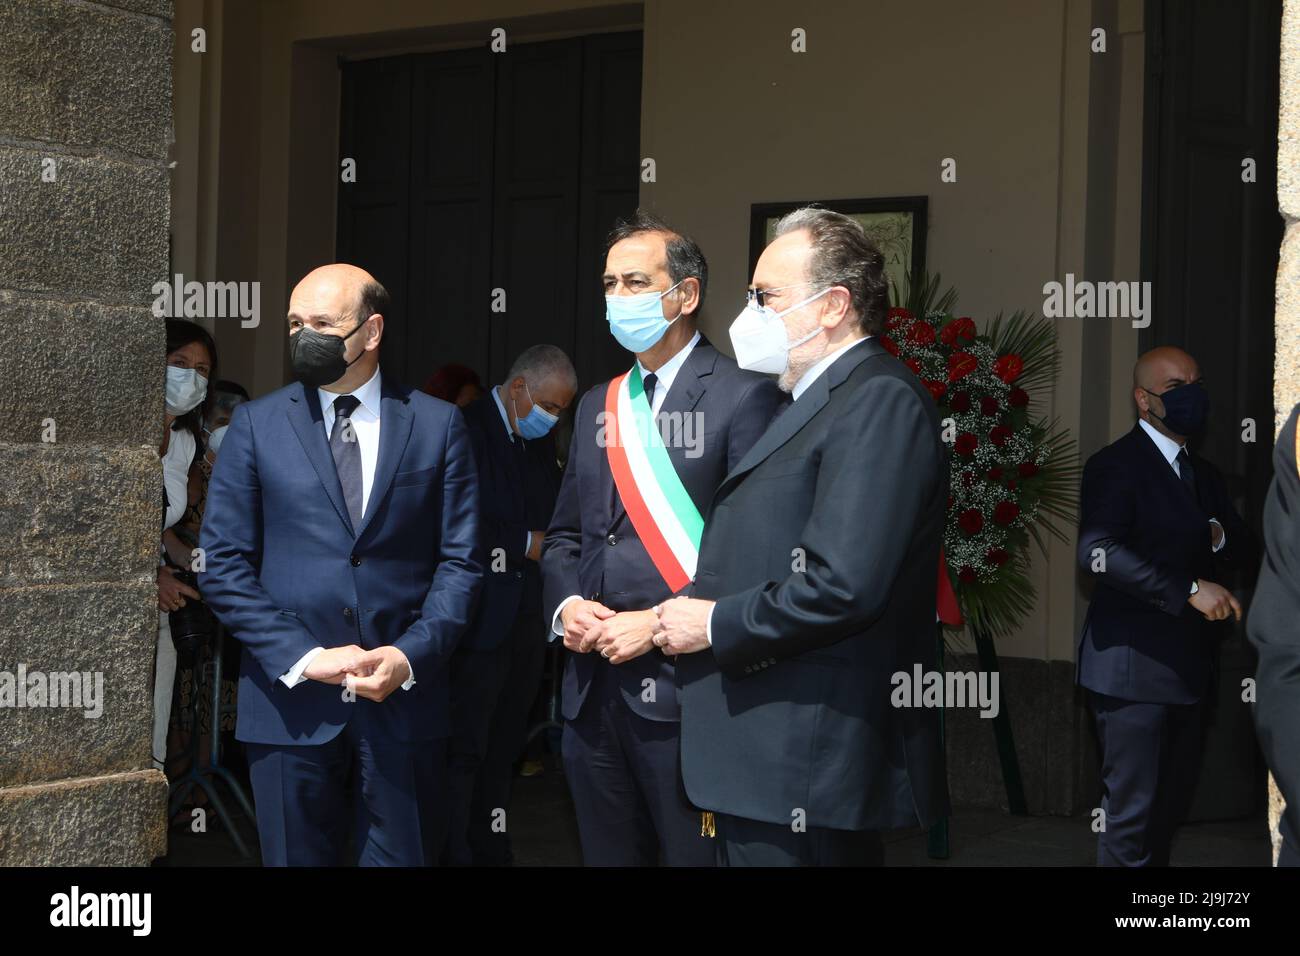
column 637, row 321
column 537, row 422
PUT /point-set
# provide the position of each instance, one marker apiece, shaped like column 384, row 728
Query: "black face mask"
column 318, row 358
column 1186, row 408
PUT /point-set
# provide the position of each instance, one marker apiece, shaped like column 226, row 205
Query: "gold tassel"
column 706, row 824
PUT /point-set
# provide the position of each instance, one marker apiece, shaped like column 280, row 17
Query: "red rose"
column 1027, row 469
column 896, row 317
column 999, row 434
column 914, row 365
column 971, row 521
column 1018, row 398
column 958, row 332
column 1008, row 368
column 936, row 388
column 988, row 405
column 997, row 557
column 995, row 473
column 921, row 333
column 966, row 575
column 1006, row 512
column 966, row 444
column 960, row 402
column 890, row 346
column 961, row 364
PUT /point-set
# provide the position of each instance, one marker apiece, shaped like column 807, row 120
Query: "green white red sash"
column 656, row 501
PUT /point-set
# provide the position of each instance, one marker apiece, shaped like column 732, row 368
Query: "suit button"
column 748, row 669
column 611, row 540
column 356, row 561
column 347, row 613
column 519, row 574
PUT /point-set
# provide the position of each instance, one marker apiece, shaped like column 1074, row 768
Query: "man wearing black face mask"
column 341, row 540
column 1157, row 531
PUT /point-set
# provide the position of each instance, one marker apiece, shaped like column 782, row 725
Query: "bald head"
column 1155, row 373
column 336, row 299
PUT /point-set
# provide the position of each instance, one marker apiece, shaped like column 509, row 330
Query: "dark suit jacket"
column 790, row 709
column 286, row 571
column 518, row 482
column 1274, row 625
column 592, row 548
column 1141, row 640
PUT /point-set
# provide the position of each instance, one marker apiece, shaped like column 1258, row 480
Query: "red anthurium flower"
column 961, row 364
column 897, row 317
column 966, row 444
column 997, row 556
column 1008, row 368
column 999, row 434
column 1006, row 512
column 971, row 521
column 958, row 332
column 988, row 405
column 1018, row 398
column 1027, row 469
column 921, row 333
column 936, row 388
column 966, row 575
column 890, row 345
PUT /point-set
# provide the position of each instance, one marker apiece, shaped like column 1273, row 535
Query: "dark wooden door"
column 479, row 172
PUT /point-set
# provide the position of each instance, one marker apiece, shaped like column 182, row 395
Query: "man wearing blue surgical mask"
column 497, row 667
column 1161, row 540
column 649, row 449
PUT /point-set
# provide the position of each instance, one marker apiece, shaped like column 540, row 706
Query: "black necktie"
column 347, row 454
column 650, row 381
column 1185, row 471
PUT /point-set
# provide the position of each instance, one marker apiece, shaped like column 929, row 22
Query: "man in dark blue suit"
column 648, row 451
column 340, row 540
column 498, row 666
column 1157, row 533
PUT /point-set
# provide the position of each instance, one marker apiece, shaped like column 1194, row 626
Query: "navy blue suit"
column 621, row 741
column 498, row 666
column 287, row 572
column 1145, row 654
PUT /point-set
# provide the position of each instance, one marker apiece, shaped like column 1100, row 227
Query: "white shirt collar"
column 368, row 395
column 502, row 409
column 1168, row 447
column 665, row 373
column 813, row 373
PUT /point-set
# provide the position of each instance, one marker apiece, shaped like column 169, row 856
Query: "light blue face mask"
column 537, row 422
column 637, row 321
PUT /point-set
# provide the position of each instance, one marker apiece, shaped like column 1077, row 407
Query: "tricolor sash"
column 656, row 501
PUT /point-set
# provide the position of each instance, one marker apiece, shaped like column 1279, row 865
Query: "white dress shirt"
column 176, row 473
column 1170, row 449
column 664, row 376
column 365, row 425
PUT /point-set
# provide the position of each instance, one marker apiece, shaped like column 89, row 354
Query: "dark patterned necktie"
column 347, row 454
column 650, row 381
column 1185, row 471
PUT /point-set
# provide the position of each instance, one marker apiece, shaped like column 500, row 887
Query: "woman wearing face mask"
column 191, row 362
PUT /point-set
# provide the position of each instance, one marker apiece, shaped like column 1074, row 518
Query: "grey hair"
column 843, row 255
column 541, row 363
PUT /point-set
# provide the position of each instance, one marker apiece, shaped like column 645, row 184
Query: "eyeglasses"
column 757, row 295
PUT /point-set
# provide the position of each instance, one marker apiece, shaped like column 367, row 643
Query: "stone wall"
column 85, row 126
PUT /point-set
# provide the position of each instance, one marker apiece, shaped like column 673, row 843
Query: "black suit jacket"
column 790, row 709
column 518, row 482
column 1274, row 625
column 592, row 548
column 1141, row 640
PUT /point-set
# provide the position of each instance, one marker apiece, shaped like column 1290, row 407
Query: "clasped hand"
column 372, row 674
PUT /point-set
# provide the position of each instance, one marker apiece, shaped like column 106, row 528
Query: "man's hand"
column 331, row 664
column 382, row 671
column 172, row 593
column 578, row 618
column 1214, row 601
column 534, row 552
column 626, row 635
column 683, row 625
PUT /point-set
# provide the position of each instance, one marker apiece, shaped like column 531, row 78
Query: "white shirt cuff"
column 410, row 680
column 557, row 629
column 1223, row 538
column 294, row 677
column 708, row 626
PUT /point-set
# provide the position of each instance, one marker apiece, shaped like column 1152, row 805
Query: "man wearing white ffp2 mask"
column 758, row 334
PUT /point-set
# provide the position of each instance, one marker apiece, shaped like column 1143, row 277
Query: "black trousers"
column 624, row 775
column 1150, row 759
column 492, row 693
column 743, row 842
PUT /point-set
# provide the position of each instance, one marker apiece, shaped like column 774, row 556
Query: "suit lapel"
column 394, row 432
column 305, row 417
